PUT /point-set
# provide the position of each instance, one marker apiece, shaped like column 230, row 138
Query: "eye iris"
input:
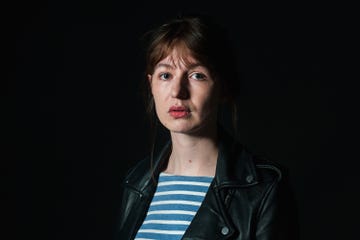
column 198, row 76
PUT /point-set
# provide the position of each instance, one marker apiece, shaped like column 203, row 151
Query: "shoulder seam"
column 271, row 167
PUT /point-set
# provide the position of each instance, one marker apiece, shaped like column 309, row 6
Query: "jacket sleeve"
column 277, row 216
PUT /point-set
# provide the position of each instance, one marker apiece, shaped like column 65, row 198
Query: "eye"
column 164, row 76
column 198, row 76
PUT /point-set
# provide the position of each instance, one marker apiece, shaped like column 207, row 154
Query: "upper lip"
column 179, row 108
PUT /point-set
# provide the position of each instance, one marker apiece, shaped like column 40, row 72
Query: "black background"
column 80, row 120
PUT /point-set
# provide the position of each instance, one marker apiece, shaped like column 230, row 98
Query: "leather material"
column 243, row 201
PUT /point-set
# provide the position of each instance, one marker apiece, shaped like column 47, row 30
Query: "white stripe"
column 182, row 202
column 166, row 183
column 169, row 174
column 171, row 212
column 180, row 192
column 172, row 222
column 162, row 231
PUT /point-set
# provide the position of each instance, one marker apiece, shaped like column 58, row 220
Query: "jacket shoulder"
column 267, row 170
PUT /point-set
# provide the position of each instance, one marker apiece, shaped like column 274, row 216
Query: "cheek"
column 160, row 93
column 157, row 97
column 154, row 92
column 209, row 96
column 210, row 102
column 159, row 102
column 205, row 105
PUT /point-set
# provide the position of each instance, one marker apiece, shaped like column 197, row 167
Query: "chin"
column 194, row 130
column 179, row 127
column 185, row 130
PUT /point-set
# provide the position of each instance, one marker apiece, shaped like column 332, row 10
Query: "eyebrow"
column 163, row 65
column 191, row 66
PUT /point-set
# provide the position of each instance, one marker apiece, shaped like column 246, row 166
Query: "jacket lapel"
column 210, row 222
column 234, row 169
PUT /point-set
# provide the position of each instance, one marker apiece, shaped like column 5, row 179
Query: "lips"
column 179, row 111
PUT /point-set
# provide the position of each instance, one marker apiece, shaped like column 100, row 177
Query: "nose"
column 179, row 88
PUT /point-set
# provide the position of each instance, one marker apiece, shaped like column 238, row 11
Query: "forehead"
column 179, row 59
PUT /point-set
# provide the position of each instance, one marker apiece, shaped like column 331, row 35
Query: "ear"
column 149, row 77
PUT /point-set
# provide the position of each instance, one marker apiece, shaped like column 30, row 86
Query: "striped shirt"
column 175, row 203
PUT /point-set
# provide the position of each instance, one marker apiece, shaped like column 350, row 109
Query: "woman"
column 202, row 184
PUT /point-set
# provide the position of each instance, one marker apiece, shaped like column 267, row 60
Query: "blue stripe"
column 174, row 207
column 179, row 197
column 164, row 227
column 164, row 178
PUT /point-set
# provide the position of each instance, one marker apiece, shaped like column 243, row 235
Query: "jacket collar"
column 234, row 167
column 146, row 182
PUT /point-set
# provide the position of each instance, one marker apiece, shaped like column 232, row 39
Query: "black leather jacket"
column 244, row 200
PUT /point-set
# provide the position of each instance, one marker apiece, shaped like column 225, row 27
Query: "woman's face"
column 185, row 95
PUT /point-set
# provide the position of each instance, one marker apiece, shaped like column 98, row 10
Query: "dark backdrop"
column 81, row 122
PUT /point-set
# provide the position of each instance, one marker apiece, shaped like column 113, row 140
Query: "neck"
column 193, row 155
